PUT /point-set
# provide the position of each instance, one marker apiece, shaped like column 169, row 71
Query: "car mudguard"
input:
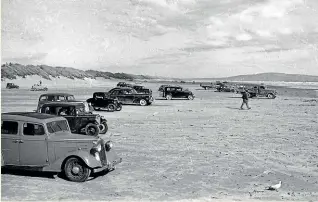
column 84, row 155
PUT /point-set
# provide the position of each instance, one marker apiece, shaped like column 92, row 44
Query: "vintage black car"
column 101, row 100
column 42, row 142
column 12, row 85
column 170, row 92
column 78, row 117
column 142, row 89
column 55, row 97
column 128, row 95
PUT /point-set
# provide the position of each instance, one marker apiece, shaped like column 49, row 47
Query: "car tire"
column 111, row 107
column 142, row 102
column 169, row 97
column 75, row 170
column 190, row 97
column 91, row 129
column 119, row 107
column 96, row 108
column 103, row 128
column 270, row 96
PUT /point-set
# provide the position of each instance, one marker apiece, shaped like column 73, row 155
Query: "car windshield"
column 57, row 126
column 82, row 109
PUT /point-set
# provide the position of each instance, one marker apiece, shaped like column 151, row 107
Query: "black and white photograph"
column 159, row 100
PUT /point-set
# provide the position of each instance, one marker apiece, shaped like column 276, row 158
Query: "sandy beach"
column 200, row 150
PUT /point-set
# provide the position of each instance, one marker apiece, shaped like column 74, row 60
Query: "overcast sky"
column 185, row 38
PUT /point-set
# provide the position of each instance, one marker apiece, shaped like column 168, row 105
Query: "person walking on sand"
column 245, row 99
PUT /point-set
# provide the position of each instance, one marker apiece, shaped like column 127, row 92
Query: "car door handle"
column 21, row 141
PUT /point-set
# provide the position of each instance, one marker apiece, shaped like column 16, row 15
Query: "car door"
column 10, row 139
column 33, row 145
column 73, row 120
column 130, row 96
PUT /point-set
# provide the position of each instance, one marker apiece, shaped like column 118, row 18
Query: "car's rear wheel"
column 91, row 129
column 190, row 97
column 103, row 128
column 75, row 170
column 111, row 107
column 119, row 107
column 270, row 96
column 142, row 102
column 169, row 97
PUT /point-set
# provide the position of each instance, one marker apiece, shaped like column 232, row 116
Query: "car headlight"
column 108, row 145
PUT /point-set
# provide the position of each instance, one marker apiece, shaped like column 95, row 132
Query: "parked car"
column 142, row 89
column 225, row 87
column 207, row 86
column 170, row 92
column 55, row 97
column 12, row 85
column 44, row 142
column 262, row 91
column 101, row 100
column 37, row 87
column 79, row 118
column 124, row 84
column 128, row 95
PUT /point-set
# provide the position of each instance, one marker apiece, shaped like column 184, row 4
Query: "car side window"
column 9, row 127
column 115, row 92
column 33, row 129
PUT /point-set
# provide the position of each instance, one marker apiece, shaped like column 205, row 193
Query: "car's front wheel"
column 91, row 129
column 142, row 102
column 119, row 107
column 190, row 97
column 103, row 128
column 270, row 96
column 75, row 170
column 169, row 97
column 111, row 107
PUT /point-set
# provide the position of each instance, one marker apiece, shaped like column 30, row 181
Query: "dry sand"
column 205, row 149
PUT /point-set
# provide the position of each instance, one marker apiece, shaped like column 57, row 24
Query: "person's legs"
column 242, row 104
column 246, row 102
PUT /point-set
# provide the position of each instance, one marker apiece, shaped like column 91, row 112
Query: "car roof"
column 122, row 88
column 30, row 116
column 59, row 103
column 50, row 94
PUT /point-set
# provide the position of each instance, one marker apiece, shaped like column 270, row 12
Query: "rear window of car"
column 57, row 126
column 33, row 129
column 9, row 127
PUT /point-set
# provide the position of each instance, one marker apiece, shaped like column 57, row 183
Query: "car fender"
column 85, row 156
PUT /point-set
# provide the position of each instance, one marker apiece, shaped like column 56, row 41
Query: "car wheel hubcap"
column 91, row 130
column 142, row 102
column 75, row 170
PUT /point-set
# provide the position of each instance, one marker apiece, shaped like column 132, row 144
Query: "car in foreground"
column 43, row 142
column 101, row 100
column 11, row 86
column 170, row 92
column 79, row 118
column 126, row 95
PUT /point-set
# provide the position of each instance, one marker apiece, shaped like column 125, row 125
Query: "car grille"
column 102, row 155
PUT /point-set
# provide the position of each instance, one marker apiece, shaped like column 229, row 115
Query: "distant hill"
column 270, row 77
column 11, row 71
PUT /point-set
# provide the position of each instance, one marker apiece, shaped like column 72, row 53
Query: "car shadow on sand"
column 18, row 172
